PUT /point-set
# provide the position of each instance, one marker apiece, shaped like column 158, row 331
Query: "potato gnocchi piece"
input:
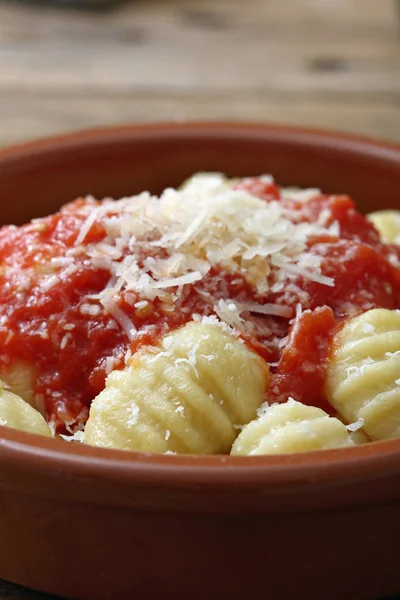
column 18, row 414
column 190, row 397
column 207, row 179
column 20, row 377
column 291, row 427
column 363, row 380
column 387, row 223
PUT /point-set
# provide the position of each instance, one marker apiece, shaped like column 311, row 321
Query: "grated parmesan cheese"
column 110, row 363
column 75, row 437
column 156, row 246
column 48, row 282
column 120, row 317
column 228, row 312
column 181, row 280
column 267, row 309
column 134, row 417
column 141, row 304
column 93, row 216
column 368, row 328
column 356, row 425
column 189, row 363
column 180, row 410
column 92, row 310
column 65, row 340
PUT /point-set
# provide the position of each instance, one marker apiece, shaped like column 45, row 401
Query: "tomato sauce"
column 301, row 369
column 48, row 319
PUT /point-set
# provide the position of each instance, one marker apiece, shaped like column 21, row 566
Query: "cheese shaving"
column 119, row 315
column 94, row 214
column 76, row 437
column 176, row 281
column 356, row 425
column 156, row 246
column 267, row 309
column 229, row 313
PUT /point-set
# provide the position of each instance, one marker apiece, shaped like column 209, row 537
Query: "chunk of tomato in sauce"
column 302, row 367
column 261, row 187
column 363, row 277
column 341, row 209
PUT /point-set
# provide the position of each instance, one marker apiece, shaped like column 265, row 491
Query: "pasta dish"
column 226, row 316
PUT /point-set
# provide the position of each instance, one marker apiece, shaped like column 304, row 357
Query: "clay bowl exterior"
column 93, row 524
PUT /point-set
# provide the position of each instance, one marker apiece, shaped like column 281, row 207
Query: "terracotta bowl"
column 107, row 525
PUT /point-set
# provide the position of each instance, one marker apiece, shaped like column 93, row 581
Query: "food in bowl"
column 227, row 316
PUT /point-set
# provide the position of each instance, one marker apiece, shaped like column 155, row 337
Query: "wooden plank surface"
column 333, row 64
column 327, row 63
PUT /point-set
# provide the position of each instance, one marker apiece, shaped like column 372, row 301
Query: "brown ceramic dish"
column 106, row 525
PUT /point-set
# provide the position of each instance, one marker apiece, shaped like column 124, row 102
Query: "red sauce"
column 50, row 328
column 301, row 369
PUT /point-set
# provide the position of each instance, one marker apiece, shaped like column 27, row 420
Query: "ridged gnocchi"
column 363, row 380
column 191, row 396
column 387, row 223
column 291, row 427
column 18, row 414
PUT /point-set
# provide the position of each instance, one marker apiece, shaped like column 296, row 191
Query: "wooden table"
column 327, row 63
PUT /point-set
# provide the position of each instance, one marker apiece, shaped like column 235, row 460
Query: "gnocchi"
column 387, row 223
column 291, row 427
column 191, row 396
column 18, row 414
column 363, row 379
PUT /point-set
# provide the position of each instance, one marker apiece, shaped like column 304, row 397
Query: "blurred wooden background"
column 328, row 63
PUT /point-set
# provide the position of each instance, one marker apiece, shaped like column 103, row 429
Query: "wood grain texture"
column 327, row 63
column 333, row 64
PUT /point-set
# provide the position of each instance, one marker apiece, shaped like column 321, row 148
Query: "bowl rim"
column 370, row 461
column 366, row 460
column 98, row 136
